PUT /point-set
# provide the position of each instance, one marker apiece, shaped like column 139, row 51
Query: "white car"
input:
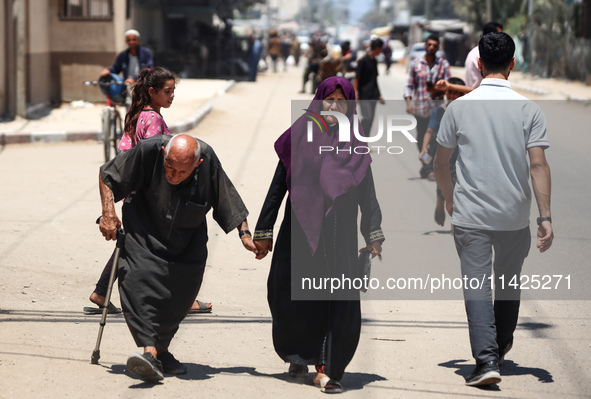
column 304, row 42
column 398, row 50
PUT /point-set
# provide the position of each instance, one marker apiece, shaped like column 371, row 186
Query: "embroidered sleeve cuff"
column 263, row 234
column 377, row 235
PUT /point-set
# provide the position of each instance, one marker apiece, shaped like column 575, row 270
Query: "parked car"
column 398, row 50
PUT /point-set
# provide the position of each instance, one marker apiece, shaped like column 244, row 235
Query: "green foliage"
column 516, row 25
column 437, row 9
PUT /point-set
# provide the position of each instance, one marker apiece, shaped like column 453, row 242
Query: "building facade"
column 50, row 47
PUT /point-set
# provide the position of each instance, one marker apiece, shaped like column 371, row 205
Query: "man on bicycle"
column 132, row 60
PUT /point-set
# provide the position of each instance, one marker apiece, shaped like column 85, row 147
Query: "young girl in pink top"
column 153, row 90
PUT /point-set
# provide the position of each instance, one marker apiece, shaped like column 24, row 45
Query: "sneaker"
column 170, row 365
column 145, row 366
column 504, row 352
column 485, row 374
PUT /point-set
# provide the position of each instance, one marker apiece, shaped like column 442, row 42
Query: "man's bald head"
column 183, row 145
column 182, row 155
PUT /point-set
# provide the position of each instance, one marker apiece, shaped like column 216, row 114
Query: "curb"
column 542, row 92
column 62, row 136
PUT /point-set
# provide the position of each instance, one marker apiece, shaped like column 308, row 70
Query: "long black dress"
column 317, row 331
column 162, row 264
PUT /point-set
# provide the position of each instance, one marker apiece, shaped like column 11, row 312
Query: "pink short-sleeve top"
column 149, row 123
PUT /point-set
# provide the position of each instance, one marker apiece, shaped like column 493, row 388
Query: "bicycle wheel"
column 106, row 133
column 116, row 132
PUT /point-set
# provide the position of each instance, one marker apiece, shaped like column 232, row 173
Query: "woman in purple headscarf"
column 318, row 238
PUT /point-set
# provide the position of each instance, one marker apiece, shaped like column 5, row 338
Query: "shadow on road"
column 508, row 368
column 61, row 316
column 352, row 381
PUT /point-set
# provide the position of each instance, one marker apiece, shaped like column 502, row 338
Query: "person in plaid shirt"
column 420, row 93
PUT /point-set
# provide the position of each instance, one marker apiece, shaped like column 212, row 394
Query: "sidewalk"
column 81, row 120
column 537, row 88
column 193, row 101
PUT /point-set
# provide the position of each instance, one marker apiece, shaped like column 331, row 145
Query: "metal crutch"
column 96, row 354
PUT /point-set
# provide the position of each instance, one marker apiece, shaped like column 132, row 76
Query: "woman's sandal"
column 331, row 386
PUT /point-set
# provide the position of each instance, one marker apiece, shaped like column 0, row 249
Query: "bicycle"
column 111, row 124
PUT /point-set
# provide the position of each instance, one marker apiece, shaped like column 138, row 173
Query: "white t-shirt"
column 493, row 126
column 134, row 66
column 473, row 75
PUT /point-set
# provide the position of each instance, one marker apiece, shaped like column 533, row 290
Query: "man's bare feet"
column 196, row 305
column 97, row 299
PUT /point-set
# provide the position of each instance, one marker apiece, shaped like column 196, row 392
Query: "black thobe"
column 317, row 331
column 162, row 264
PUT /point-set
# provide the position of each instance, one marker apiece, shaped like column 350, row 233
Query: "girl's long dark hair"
column 154, row 78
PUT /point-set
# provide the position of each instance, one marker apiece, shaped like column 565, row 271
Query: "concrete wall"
column 8, row 100
column 60, row 54
column 4, row 27
column 79, row 50
column 38, row 60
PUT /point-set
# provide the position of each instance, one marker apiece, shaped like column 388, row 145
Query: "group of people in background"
column 169, row 184
column 280, row 49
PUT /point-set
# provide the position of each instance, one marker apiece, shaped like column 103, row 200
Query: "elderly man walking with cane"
column 169, row 185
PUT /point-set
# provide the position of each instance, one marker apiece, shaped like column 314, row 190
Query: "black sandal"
column 332, row 386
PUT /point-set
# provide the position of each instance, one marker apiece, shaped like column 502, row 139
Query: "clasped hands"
column 265, row 246
column 260, row 248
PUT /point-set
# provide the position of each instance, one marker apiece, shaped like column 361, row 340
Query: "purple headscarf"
column 318, row 183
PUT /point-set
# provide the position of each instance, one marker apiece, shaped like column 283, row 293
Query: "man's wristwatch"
column 543, row 219
column 243, row 232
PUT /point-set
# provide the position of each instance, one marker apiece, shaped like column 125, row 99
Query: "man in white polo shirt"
column 495, row 130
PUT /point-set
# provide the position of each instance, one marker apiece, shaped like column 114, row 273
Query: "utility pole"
column 19, row 13
column 530, row 33
column 489, row 16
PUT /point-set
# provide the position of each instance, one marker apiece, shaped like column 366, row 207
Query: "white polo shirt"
column 493, row 126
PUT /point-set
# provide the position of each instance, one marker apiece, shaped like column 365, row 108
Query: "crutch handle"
column 120, row 234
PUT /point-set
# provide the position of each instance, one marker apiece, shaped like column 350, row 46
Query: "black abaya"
column 324, row 331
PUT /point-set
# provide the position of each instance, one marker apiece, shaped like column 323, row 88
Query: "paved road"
column 51, row 254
